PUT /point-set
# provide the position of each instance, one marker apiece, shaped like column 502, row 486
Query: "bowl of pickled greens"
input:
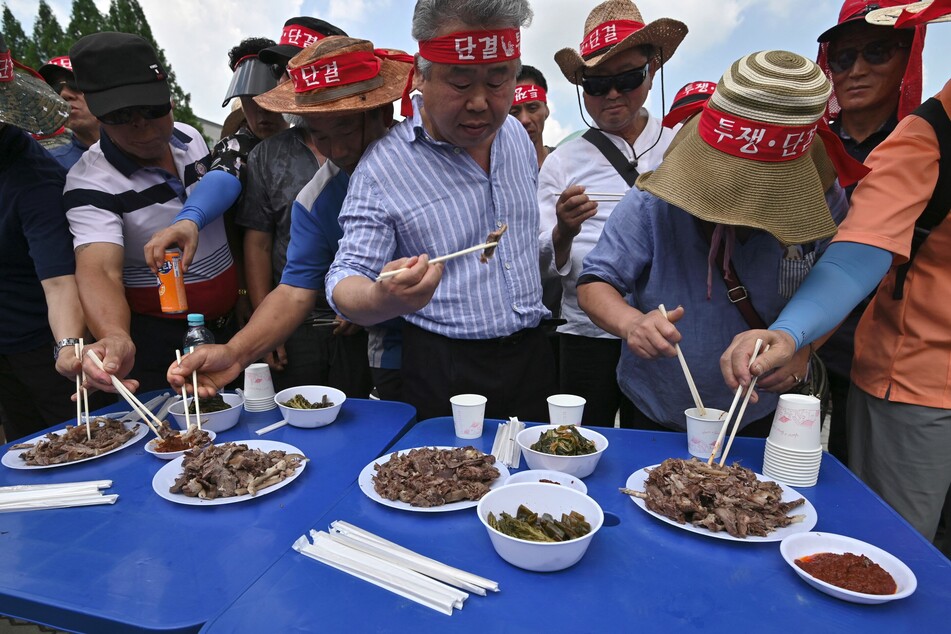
column 539, row 527
column 310, row 405
column 571, row 449
column 218, row 413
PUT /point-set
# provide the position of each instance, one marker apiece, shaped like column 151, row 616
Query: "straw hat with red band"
column 914, row 14
column 26, row 101
column 340, row 75
column 688, row 102
column 526, row 93
column 616, row 26
column 751, row 158
column 857, row 11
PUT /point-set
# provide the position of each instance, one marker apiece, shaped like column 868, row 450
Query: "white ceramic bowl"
column 578, row 466
column 537, row 475
column 310, row 417
column 540, row 498
column 801, row 545
column 171, row 455
column 212, row 421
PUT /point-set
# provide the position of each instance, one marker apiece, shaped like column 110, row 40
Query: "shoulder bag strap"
column 735, row 291
column 624, row 167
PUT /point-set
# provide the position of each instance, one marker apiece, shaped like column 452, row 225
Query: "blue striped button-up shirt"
column 412, row 195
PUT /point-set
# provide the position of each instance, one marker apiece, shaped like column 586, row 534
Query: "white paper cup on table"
column 565, row 409
column 258, row 388
column 796, row 423
column 702, row 431
column 468, row 414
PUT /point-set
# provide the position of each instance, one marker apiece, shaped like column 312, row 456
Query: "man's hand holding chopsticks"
column 412, row 288
column 118, row 356
column 736, row 358
column 651, row 335
column 216, row 365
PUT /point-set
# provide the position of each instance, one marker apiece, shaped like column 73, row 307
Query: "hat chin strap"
column 663, row 108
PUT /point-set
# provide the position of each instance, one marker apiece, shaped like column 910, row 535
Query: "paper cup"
column 796, row 423
column 257, row 383
column 468, row 413
column 702, row 431
column 565, row 409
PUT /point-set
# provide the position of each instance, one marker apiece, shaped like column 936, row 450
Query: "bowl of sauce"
column 848, row 569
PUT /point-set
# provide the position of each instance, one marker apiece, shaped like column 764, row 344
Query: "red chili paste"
column 857, row 573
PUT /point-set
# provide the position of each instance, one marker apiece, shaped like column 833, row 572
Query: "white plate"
column 537, row 475
column 366, row 485
column 12, row 458
column 636, row 482
column 167, row 475
column 797, row 546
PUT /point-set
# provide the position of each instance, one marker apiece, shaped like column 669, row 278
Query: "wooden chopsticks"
column 683, row 364
column 130, row 398
column 739, row 417
column 442, row 258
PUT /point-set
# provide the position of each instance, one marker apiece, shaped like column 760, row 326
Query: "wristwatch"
column 62, row 343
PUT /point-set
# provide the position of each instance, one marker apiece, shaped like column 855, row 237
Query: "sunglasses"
column 61, row 85
column 123, row 116
column 623, row 82
column 874, row 53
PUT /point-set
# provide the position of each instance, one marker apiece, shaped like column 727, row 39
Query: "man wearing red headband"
column 896, row 233
column 530, row 107
column 614, row 66
column 876, row 81
column 455, row 169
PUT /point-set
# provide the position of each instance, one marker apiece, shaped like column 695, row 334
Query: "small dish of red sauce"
column 852, row 572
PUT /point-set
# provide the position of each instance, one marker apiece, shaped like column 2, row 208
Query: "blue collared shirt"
column 412, row 194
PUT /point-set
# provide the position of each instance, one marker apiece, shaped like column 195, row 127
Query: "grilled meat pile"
column 727, row 498
column 218, row 471
column 107, row 434
column 432, row 477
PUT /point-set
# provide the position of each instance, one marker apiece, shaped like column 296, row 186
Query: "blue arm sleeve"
column 845, row 274
column 211, row 198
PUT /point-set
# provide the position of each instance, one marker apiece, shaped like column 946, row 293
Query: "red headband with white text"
column 774, row 143
column 529, row 92
column 608, row 34
column 466, row 47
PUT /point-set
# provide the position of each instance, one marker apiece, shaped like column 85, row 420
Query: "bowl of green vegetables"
column 310, row 406
column 571, row 449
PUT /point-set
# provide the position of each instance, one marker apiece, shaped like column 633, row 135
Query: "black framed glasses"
column 123, row 116
column 598, row 86
column 874, row 53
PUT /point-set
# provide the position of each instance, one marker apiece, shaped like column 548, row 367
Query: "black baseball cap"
column 118, row 70
column 297, row 34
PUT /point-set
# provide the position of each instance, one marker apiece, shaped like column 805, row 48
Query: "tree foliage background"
column 49, row 39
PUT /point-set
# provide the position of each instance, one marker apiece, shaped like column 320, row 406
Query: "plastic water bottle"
column 197, row 334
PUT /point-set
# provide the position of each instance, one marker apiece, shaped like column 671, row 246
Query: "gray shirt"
column 278, row 168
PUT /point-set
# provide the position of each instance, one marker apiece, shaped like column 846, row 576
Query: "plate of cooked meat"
column 728, row 502
column 72, row 445
column 229, row 473
column 432, row 479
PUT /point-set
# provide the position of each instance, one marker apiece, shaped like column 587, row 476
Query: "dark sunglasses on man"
column 123, row 116
column 598, row 86
column 65, row 83
column 875, row 53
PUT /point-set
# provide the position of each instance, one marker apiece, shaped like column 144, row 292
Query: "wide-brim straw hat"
column 27, row 102
column 787, row 198
column 664, row 34
column 381, row 90
column 888, row 16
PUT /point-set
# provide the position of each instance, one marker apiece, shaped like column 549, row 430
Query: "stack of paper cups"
column 258, row 388
column 793, row 449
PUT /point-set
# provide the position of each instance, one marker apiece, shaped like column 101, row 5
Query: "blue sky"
column 196, row 37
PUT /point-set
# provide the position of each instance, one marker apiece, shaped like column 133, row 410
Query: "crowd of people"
column 767, row 205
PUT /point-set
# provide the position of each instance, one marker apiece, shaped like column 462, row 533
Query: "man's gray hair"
column 430, row 16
